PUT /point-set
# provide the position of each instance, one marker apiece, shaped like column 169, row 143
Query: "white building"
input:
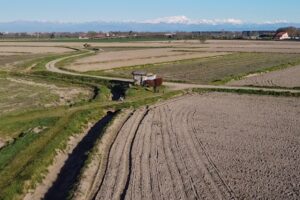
column 139, row 77
column 282, row 36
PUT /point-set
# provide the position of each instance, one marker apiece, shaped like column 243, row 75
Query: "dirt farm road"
column 50, row 66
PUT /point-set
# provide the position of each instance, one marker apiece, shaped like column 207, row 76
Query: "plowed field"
column 289, row 78
column 210, row 146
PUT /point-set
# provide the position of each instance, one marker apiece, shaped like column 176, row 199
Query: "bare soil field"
column 289, row 78
column 268, row 45
column 32, row 49
column 209, row 146
column 210, row 45
column 246, row 46
column 110, row 60
column 11, row 56
column 244, row 49
column 11, row 53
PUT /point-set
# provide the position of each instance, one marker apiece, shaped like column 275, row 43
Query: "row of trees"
column 292, row 31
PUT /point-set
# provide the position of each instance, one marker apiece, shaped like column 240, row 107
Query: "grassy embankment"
column 35, row 135
column 16, row 62
column 251, row 92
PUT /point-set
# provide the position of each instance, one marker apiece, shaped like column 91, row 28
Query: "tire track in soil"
column 215, row 173
column 115, row 179
column 178, row 177
column 163, row 172
column 147, row 192
column 157, row 155
column 196, row 159
column 197, row 185
column 186, row 179
column 95, row 189
column 133, row 176
column 217, row 186
column 136, row 173
column 123, row 195
column 112, row 166
column 140, row 152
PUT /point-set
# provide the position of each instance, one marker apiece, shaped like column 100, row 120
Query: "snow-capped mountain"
column 174, row 23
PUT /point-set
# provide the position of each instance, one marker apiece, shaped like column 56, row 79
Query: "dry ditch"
column 66, row 169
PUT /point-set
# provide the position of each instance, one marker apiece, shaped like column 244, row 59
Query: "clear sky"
column 139, row 10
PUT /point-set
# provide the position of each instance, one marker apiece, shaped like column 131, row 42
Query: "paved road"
column 174, row 86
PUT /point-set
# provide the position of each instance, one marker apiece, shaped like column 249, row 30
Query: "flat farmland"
column 244, row 46
column 9, row 58
column 289, row 78
column 261, row 46
column 212, row 69
column 19, row 94
column 174, row 150
column 32, row 49
column 17, row 54
column 55, row 125
column 115, row 59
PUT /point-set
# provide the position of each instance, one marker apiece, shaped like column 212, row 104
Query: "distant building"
column 170, row 35
column 139, row 77
column 93, row 36
column 99, row 36
column 252, row 35
column 84, row 37
column 282, row 36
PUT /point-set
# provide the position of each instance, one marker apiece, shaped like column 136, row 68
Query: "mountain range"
column 168, row 24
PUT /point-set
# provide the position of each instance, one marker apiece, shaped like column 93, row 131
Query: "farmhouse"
column 139, row 77
column 282, row 36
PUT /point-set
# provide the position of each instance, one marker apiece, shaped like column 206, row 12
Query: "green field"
column 212, row 70
column 21, row 94
column 11, row 62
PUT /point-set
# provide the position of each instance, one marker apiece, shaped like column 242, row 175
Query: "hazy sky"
column 139, row 10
